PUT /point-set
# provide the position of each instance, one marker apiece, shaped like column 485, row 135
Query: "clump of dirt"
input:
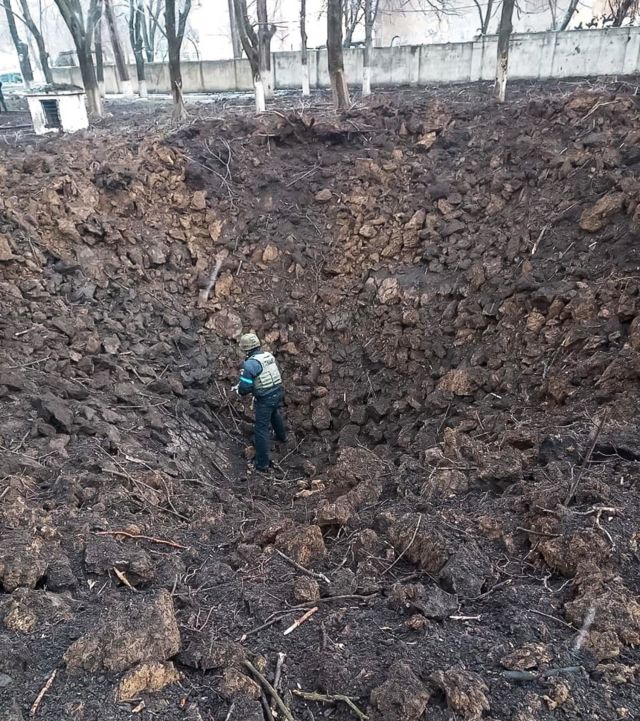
column 451, row 288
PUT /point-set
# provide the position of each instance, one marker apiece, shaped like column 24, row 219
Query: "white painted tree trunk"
column 142, row 88
column 127, row 87
column 101, row 89
column 501, row 79
column 94, row 101
column 267, row 83
column 366, row 81
column 305, row 81
column 260, row 100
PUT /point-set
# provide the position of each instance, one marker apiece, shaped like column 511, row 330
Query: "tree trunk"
column 304, row 56
column 621, row 12
column 334, row 55
column 251, row 46
column 89, row 79
column 175, row 77
column 37, row 36
column 175, row 36
column 573, row 6
column 82, row 35
column 487, row 18
column 97, row 42
column 136, row 17
column 504, row 36
column 236, row 44
column 22, row 49
column 149, row 26
column 368, row 44
column 265, row 33
column 121, row 63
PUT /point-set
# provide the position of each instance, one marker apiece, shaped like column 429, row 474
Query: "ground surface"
column 452, row 289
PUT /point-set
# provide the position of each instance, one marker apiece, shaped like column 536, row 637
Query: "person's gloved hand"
column 236, row 388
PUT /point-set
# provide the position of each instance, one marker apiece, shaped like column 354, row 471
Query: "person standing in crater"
column 261, row 377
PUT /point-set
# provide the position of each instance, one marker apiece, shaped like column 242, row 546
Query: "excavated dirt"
column 452, row 289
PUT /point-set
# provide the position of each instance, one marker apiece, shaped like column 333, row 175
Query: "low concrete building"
column 57, row 108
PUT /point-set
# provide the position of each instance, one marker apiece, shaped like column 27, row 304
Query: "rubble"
column 452, row 295
column 402, row 697
column 145, row 631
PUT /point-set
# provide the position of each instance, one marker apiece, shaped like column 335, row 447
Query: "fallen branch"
column 269, row 688
column 489, row 592
column 300, row 621
column 330, row 698
column 553, row 618
column 465, row 618
column 295, row 564
column 173, row 544
column 277, row 678
column 533, row 532
column 549, row 673
column 604, row 530
column 413, row 538
column 203, row 296
column 43, row 691
column 229, row 714
column 583, row 632
column 279, row 663
column 123, row 578
column 585, row 461
column 537, row 243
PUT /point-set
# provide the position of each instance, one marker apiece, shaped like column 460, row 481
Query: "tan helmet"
column 249, row 341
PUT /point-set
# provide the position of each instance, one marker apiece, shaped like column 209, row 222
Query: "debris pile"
column 452, row 290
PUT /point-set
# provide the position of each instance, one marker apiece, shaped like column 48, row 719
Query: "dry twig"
column 203, row 296
column 295, row 564
column 43, row 691
column 413, row 538
column 269, row 688
column 331, row 698
column 585, row 461
column 300, row 621
column 152, row 539
column 123, row 578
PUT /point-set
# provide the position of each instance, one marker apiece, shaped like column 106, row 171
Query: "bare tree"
column 504, row 36
column 236, row 43
column 370, row 13
column 22, row 49
column 265, row 34
column 38, row 37
column 353, row 12
column 621, row 10
column 97, row 42
column 485, row 13
column 118, row 53
column 334, row 55
column 304, row 56
column 257, row 46
column 568, row 15
column 175, row 36
column 150, row 28
column 136, row 36
column 82, row 33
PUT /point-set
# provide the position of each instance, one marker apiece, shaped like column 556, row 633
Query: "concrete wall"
column 614, row 51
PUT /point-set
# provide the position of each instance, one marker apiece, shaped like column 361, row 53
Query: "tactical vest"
column 270, row 376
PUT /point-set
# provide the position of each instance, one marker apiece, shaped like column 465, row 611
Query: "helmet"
column 249, row 341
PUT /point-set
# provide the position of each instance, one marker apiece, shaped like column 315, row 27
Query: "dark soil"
column 452, row 289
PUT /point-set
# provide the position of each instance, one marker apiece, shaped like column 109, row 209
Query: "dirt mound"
column 452, row 290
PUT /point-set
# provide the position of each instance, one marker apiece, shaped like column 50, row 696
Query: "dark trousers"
column 268, row 416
